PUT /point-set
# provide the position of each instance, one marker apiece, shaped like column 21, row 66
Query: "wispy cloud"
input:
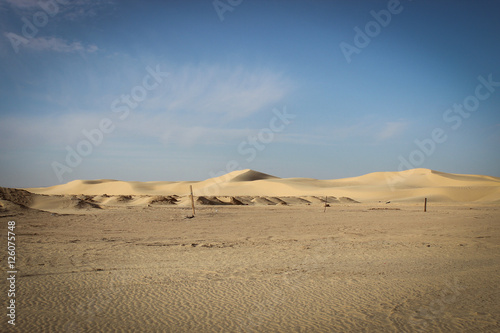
column 391, row 129
column 365, row 130
column 207, row 105
column 53, row 44
column 231, row 92
column 68, row 9
column 22, row 3
column 175, row 129
column 188, row 136
column 57, row 131
column 32, row 4
column 35, row 131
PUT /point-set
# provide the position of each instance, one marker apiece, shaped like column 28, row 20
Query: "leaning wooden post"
column 425, row 205
column 326, row 203
column 192, row 197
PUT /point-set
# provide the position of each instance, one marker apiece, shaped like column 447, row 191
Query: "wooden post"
column 425, row 205
column 326, row 203
column 192, row 197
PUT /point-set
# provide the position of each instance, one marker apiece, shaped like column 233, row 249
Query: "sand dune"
column 410, row 185
column 17, row 196
column 247, row 176
column 248, row 187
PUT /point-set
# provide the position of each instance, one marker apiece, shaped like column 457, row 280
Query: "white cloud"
column 363, row 131
column 40, row 4
column 170, row 129
column 70, row 10
column 22, row 3
column 25, row 132
column 206, row 105
column 221, row 91
column 203, row 135
column 391, row 129
column 52, row 44
column 31, row 132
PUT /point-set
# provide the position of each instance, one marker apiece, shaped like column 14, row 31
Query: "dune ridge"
column 405, row 185
column 249, row 187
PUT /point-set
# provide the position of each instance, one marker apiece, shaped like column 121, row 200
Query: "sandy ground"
column 369, row 267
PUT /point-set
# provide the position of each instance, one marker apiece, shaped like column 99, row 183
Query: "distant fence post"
column 192, row 198
column 425, row 204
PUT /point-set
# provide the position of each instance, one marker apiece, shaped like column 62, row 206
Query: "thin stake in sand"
column 192, row 198
column 425, row 205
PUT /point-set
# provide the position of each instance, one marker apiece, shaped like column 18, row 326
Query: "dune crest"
column 405, row 186
column 248, row 175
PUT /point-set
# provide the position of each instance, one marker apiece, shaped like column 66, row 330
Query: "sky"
column 189, row 90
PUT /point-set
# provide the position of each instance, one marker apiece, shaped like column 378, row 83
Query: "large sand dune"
column 410, row 185
column 248, row 187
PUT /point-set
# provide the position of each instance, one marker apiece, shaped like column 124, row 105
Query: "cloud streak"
column 391, row 130
column 197, row 105
column 53, row 44
column 20, row 132
column 31, row 5
column 22, row 3
column 361, row 131
column 226, row 92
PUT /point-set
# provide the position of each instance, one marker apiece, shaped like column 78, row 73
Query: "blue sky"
column 184, row 90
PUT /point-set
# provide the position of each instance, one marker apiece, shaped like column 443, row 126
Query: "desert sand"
column 410, row 186
column 262, row 254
